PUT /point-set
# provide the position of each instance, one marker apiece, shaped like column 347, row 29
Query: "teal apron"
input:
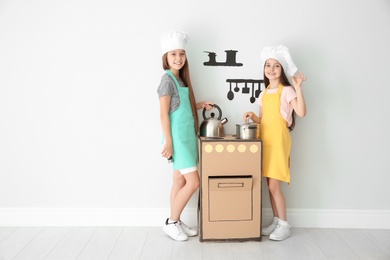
column 185, row 150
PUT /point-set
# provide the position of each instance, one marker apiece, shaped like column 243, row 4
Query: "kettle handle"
column 215, row 106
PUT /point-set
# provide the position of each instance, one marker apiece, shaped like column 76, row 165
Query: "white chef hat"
column 281, row 54
column 173, row 40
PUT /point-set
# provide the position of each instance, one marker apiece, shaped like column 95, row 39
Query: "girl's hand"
column 205, row 104
column 248, row 114
column 167, row 151
column 297, row 81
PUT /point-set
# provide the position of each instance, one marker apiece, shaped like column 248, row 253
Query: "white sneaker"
column 175, row 231
column 187, row 230
column 266, row 231
column 281, row 232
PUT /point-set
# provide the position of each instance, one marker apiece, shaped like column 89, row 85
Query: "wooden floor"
column 150, row 243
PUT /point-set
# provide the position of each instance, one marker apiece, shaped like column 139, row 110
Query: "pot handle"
column 215, row 106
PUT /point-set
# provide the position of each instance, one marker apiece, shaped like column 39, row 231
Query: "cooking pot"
column 213, row 126
column 248, row 130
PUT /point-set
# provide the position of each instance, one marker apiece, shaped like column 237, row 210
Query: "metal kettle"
column 213, row 126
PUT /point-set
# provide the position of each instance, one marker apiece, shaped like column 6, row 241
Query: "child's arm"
column 167, row 150
column 204, row 104
column 299, row 103
column 252, row 116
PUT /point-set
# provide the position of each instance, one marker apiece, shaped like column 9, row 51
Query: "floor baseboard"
column 303, row 218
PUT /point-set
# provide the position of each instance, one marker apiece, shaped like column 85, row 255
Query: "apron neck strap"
column 280, row 87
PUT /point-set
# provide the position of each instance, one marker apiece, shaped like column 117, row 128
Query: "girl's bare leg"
column 184, row 186
column 178, row 184
column 277, row 197
column 273, row 206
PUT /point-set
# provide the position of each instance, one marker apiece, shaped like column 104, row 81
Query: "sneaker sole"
column 192, row 235
column 176, row 239
column 266, row 234
column 279, row 238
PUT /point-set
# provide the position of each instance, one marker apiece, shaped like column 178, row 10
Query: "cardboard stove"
column 230, row 189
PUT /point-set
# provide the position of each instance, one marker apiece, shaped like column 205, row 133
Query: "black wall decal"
column 245, row 88
column 230, row 59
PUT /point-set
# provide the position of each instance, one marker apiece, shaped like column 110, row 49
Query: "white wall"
column 79, row 113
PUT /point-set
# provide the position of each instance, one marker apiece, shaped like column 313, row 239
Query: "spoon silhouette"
column 230, row 94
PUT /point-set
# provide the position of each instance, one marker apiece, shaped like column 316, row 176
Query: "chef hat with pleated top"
column 281, row 54
column 173, row 40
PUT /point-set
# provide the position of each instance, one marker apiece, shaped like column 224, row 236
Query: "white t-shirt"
column 286, row 109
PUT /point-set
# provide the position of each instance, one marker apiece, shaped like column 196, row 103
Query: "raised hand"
column 298, row 79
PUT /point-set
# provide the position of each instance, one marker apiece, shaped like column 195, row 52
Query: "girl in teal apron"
column 179, row 122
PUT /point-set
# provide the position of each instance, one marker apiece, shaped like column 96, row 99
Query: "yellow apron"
column 275, row 137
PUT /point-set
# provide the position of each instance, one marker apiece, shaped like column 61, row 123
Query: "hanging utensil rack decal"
column 231, row 62
column 245, row 89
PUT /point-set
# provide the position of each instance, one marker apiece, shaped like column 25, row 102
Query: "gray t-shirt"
column 167, row 87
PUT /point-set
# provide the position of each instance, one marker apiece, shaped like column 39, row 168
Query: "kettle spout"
column 224, row 120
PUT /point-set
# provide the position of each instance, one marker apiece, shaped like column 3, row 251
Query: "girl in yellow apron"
column 278, row 103
column 179, row 122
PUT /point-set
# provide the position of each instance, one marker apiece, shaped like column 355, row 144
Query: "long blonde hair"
column 184, row 75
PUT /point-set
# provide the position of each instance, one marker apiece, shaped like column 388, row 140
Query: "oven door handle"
column 230, row 185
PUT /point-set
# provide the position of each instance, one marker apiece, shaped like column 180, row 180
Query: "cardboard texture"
column 230, row 191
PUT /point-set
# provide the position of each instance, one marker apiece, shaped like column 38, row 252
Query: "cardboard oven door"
column 230, row 198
